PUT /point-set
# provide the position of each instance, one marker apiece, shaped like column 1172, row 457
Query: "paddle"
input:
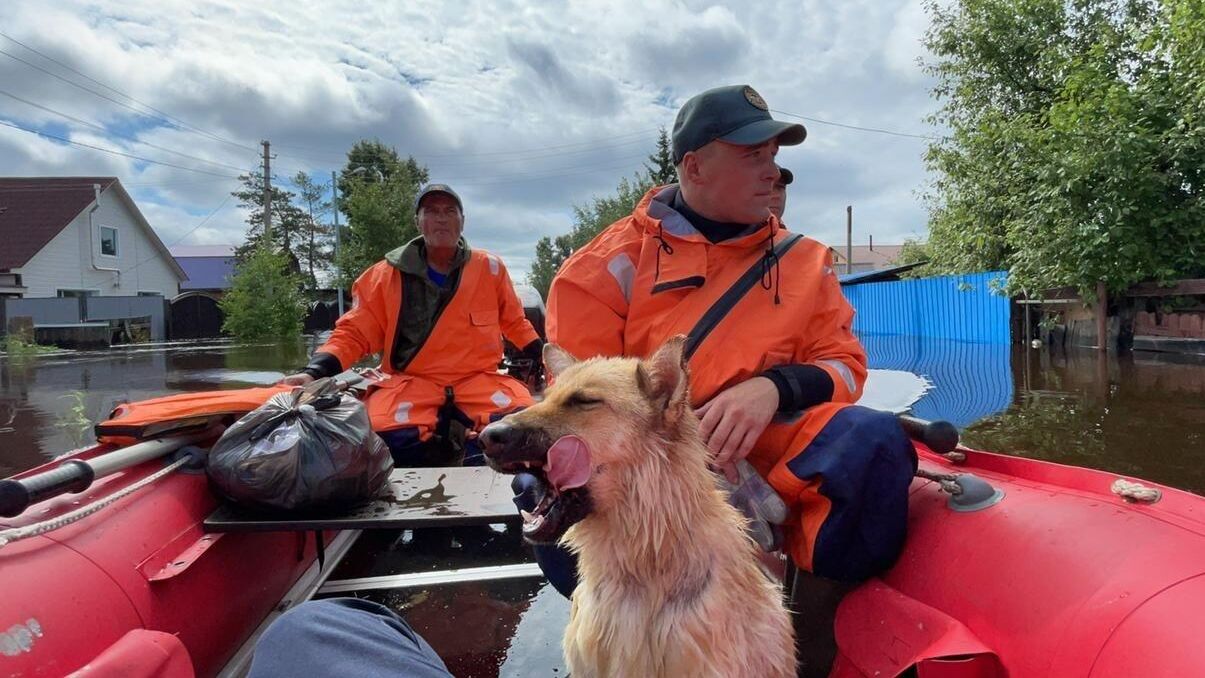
column 76, row 475
column 939, row 436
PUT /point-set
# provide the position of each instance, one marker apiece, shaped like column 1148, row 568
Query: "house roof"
column 33, row 210
column 209, row 267
column 181, row 251
column 881, row 255
column 41, row 207
column 881, row 275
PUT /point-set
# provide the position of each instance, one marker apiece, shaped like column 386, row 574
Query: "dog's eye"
column 582, row 400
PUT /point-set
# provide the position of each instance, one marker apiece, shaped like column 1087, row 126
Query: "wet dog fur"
column 668, row 580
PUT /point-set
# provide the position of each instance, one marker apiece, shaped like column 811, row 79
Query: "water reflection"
column 47, row 404
column 508, row 628
column 1139, row 414
column 970, row 381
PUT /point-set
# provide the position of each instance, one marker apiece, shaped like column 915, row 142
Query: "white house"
column 79, row 236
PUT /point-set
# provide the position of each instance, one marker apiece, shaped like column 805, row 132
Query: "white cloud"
column 525, row 108
column 903, row 47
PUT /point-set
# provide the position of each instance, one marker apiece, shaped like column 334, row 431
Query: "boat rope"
column 947, row 481
column 1132, row 492
column 17, row 533
column 953, row 456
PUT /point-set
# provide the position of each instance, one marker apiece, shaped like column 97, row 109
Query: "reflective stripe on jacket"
column 466, row 338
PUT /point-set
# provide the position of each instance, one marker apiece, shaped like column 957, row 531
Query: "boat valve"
column 968, row 492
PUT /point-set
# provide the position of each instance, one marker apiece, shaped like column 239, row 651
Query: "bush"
column 264, row 300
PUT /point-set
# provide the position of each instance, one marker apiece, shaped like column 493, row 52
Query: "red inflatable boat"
column 1063, row 571
column 1050, row 571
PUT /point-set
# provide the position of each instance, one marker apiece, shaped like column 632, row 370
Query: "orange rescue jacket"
column 652, row 275
column 466, row 338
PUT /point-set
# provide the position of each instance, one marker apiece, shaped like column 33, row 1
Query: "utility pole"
column 338, row 270
column 267, row 193
column 849, row 238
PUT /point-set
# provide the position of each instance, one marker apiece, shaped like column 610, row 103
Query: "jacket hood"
column 658, row 218
column 412, row 257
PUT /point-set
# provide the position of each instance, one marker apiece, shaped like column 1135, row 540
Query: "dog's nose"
column 495, row 437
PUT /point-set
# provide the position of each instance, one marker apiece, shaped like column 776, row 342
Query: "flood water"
column 1138, row 414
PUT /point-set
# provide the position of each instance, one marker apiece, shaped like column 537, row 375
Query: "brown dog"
column 668, row 580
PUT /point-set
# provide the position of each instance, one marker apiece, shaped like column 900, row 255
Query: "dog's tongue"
column 568, row 463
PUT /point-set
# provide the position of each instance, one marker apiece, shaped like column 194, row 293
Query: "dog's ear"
column 557, row 359
column 663, row 378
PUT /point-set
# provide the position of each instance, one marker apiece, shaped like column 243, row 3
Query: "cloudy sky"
column 525, row 108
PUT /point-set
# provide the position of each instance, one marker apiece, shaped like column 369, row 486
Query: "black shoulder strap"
column 722, row 306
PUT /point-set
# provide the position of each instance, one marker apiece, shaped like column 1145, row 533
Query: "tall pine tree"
column 662, row 170
column 287, row 220
column 315, row 247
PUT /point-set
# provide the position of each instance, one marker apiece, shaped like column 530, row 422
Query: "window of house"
column 72, row 294
column 108, row 241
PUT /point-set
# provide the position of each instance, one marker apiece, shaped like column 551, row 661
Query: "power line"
column 856, row 127
column 469, row 162
column 546, row 171
column 520, row 151
column 515, row 179
column 88, row 186
column 115, row 134
column 113, row 152
column 167, row 116
column 190, row 232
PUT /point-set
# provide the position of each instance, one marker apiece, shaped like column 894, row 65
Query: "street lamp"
column 338, row 267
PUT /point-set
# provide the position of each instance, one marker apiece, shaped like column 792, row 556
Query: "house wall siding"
column 66, row 263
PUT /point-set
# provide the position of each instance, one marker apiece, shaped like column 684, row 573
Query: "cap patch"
column 754, row 98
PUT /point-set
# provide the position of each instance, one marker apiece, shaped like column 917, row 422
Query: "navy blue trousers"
column 344, row 637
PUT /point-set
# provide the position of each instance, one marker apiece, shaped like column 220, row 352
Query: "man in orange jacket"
column 437, row 311
column 778, row 196
column 774, row 377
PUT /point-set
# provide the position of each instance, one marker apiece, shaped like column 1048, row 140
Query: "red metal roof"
column 33, row 210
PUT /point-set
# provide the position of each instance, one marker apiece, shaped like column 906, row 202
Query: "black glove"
column 533, row 357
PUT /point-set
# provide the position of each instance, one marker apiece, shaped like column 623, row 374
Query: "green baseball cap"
column 735, row 114
column 437, row 188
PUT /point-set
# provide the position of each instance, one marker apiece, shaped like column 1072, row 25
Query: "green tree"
column 913, row 252
column 264, row 300
column 588, row 221
column 662, row 170
column 315, row 246
column 288, row 220
column 371, row 161
column 1076, row 146
column 376, row 193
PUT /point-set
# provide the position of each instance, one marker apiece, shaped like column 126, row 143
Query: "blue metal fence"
column 969, row 307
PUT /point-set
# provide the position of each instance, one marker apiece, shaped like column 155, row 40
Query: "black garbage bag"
column 308, row 450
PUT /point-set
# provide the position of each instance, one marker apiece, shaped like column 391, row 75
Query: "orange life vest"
column 652, row 275
column 467, row 337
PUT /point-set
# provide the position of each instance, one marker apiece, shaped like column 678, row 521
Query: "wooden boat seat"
column 415, row 497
